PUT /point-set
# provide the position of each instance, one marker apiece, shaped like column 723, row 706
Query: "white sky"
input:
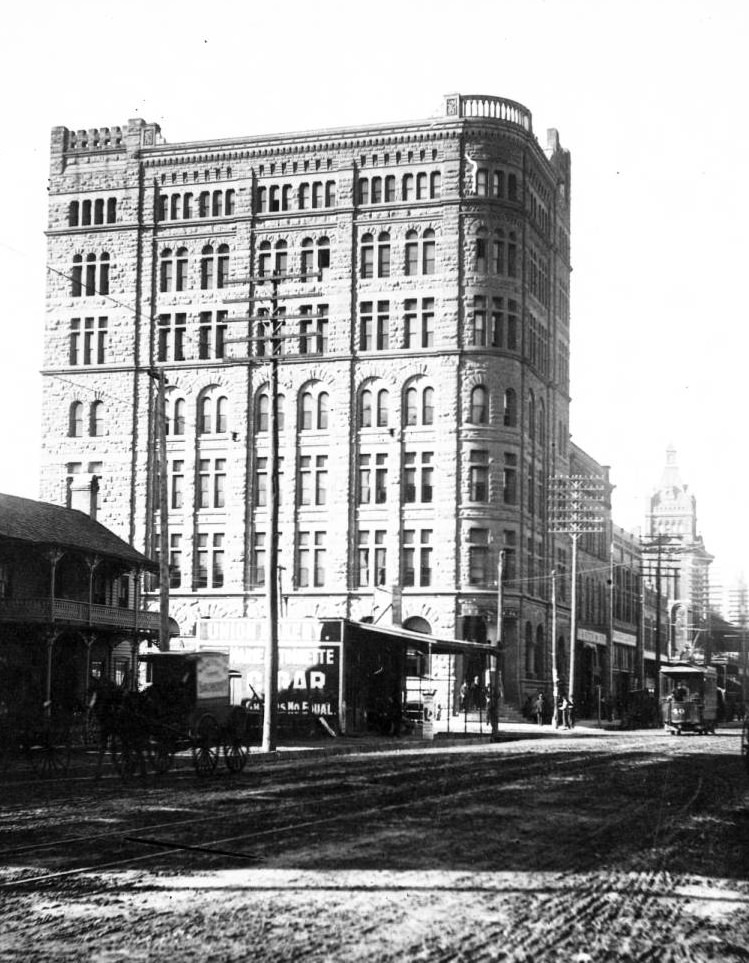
column 648, row 95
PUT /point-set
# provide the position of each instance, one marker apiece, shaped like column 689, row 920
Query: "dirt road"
column 620, row 847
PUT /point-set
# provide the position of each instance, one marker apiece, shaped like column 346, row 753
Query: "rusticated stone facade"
column 424, row 376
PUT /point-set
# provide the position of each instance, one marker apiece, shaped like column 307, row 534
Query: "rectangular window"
column 408, row 557
column 380, row 559
column 479, row 322
column 410, row 333
column 383, row 325
column 425, row 560
column 409, row 477
column 217, row 561
column 480, row 255
column 258, row 559
column 510, row 485
column 381, row 477
column 320, row 558
column 365, row 480
column 479, row 476
column 365, row 326
column 177, row 485
column 175, row 561
column 478, row 556
column 261, row 483
column 321, row 480
column 75, row 341
column 362, row 559
column 303, row 560
column 427, row 322
column 305, row 480
column 427, row 476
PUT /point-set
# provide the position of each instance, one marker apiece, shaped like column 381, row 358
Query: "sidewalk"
column 289, row 748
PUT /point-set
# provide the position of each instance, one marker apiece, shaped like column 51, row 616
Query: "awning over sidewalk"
column 415, row 640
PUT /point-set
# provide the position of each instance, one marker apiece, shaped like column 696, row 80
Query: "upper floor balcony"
column 487, row 107
column 70, row 612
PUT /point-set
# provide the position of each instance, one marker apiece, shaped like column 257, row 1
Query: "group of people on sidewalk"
column 564, row 709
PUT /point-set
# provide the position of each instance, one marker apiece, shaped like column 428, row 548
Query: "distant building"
column 684, row 562
column 70, row 605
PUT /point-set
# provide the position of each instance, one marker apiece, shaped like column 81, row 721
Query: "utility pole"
column 498, row 647
column 554, row 663
column 273, row 341
column 163, row 499
column 575, row 509
column 740, row 614
column 658, row 552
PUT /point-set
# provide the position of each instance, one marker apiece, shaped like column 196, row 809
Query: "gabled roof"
column 43, row 524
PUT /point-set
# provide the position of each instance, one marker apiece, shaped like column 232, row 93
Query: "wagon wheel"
column 49, row 752
column 161, row 753
column 206, row 745
column 235, row 740
column 745, row 742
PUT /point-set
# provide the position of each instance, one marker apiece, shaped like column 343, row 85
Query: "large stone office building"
column 423, row 376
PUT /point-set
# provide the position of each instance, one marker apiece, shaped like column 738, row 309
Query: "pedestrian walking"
column 539, row 708
column 567, row 707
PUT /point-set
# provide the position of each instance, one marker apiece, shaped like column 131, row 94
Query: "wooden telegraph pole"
column 163, row 499
column 575, row 509
column 272, row 340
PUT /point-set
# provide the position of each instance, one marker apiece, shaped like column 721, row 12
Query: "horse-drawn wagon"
column 185, row 706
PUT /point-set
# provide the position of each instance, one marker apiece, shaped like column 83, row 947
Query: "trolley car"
column 689, row 698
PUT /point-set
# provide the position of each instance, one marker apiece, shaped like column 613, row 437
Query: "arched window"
column 363, row 190
column 282, row 258
column 204, row 204
column 317, row 194
column 229, row 207
column 77, row 276
column 510, row 408
column 285, row 197
column 73, row 214
column 218, row 203
column 75, row 422
column 365, row 410
column 181, row 270
column 323, row 253
column 104, row 273
column 421, row 186
column 303, row 196
column 322, row 410
column 480, row 258
column 262, row 410
column 366, row 256
column 175, row 206
column 86, row 213
column 412, row 406
column 96, row 419
column 187, row 206
column 408, row 187
column 222, row 273
column 166, row 270
column 412, row 253
column 308, row 258
column 90, row 275
column 531, row 415
column 389, row 188
column 427, row 406
column 382, row 408
column 479, row 414
column 435, row 184
column 205, row 422
column 538, row 661
column 376, row 195
column 541, row 423
column 428, row 252
column 330, row 193
column 383, row 255
column 274, row 204
column 280, row 415
column 263, row 259
column 530, row 655
column 261, row 200
column 177, row 425
column 305, row 411
column 206, row 268
column 111, row 210
column 222, row 408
